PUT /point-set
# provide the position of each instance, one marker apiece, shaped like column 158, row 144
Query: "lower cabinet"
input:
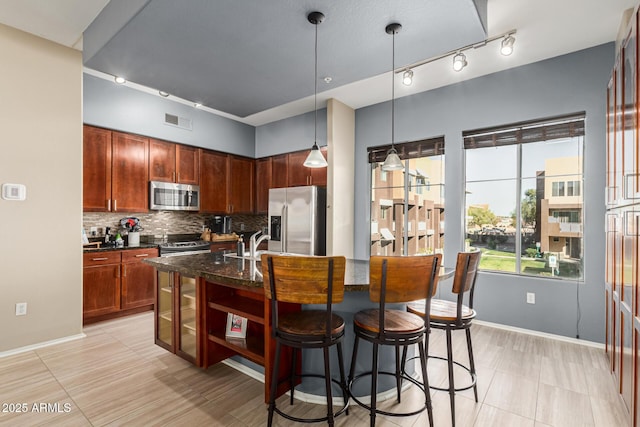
column 116, row 283
column 178, row 316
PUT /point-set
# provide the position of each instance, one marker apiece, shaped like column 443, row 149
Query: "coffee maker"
column 220, row 224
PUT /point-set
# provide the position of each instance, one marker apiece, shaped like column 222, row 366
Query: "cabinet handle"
column 174, row 176
column 115, row 205
column 99, row 259
column 117, row 272
column 178, row 180
column 141, row 255
column 109, row 204
column 124, row 270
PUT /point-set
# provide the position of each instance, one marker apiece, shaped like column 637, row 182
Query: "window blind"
column 521, row 133
column 409, row 150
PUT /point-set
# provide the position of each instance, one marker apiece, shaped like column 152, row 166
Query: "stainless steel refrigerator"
column 297, row 220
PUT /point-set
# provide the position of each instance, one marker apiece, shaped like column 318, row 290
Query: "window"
column 530, row 207
column 407, row 206
column 557, row 189
column 573, row 188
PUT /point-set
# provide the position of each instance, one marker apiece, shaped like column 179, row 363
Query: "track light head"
column 459, row 61
column 407, row 77
column 507, row 45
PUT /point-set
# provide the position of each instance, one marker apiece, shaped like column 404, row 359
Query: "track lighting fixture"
column 507, row 45
column 392, row 162
column 407, row 77
column 315, row 159
column 120, row 80
column 459, row 61
column 163, row 93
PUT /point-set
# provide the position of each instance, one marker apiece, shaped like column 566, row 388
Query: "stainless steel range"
column 184, row 248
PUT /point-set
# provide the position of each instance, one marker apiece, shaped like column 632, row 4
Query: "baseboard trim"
column 41, row 345
column 540, row 334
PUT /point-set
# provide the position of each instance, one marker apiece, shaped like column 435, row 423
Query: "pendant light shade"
column 393, row 162
column 315, row 159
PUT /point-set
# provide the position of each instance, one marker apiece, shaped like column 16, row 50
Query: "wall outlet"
column 242, row 226
column 93, row 231
column 531, row 298
column 21, row 309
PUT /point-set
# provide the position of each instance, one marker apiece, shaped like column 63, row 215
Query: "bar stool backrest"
column 403, row 279
column 464, row 279
column 303, row 280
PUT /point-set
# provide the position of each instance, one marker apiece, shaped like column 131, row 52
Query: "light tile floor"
column 117, row 376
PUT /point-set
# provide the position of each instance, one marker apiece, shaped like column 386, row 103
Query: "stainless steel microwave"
column 173, row 197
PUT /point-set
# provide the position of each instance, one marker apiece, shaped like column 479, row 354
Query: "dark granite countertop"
column 122, row 248
column 218, row 268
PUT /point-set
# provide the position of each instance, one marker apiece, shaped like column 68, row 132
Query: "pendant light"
column 392, row 162
column 315, row 159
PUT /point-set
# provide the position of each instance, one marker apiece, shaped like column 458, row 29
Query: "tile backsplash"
column 159, row 223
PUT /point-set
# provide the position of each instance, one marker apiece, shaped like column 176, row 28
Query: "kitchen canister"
column 134, row 238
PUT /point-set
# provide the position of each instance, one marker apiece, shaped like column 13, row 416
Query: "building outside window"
column 407, row 206
column 524, row 208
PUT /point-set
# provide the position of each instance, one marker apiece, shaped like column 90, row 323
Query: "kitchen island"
column 202, row 290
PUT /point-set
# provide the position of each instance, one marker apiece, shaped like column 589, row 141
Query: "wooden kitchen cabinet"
column 241, row 185
column 169, row 162
column 138, row 278
column 177, row 316
column 96, row 169
column 100, row 284
column 214, row 168
column 264, row 169
column 280, row 171
column 226, row 183
column 117, row 283
column 300, row 175
column 115, row 171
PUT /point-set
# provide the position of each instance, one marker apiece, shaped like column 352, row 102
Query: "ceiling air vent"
column 177, row 121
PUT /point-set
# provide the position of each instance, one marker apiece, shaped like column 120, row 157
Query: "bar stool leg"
column 398, row 375
column 425, row 382
column 354, row 355
column 452, row 391
column 343, row 383
column 374, row 384
column 327, row 384
column 292, row 373
column 472, row 365
column 274, row 384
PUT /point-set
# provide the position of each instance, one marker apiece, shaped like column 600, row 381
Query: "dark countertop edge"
column 225, row 279
column 122, row 248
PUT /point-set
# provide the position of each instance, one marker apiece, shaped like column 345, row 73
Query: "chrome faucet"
column 254, row 242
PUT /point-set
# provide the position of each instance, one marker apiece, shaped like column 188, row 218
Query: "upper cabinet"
column 263, row 180
column 129, row 173
column 280, row 171
column 115, row 171
column 300, row 175
column 226, row 183
column 171, row 162
column 96, row 169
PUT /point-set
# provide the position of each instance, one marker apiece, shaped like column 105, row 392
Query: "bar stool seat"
column 394, row 280
column 442, row 310
column 311, row 323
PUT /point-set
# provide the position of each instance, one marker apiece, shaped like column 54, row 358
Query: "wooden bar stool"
column 451, row 316
column 395, row 280
column 306, row 280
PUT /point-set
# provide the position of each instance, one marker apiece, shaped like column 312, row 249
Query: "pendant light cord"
column 315, row 92
column 393, row 67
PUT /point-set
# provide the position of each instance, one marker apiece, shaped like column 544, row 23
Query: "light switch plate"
column 14, row 192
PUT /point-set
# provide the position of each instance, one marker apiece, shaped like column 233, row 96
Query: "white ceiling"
column 545, row 28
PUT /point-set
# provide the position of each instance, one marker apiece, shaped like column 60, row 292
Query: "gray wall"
column 113, row 106
column 291, row 134
column 566, row 84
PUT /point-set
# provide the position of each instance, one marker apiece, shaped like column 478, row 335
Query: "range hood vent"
column 177, row 121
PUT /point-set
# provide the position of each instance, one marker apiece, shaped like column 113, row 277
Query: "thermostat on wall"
column 14, row 192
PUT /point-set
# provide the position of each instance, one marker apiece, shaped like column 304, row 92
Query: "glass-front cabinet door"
column 164, row 310
column 187, row 321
